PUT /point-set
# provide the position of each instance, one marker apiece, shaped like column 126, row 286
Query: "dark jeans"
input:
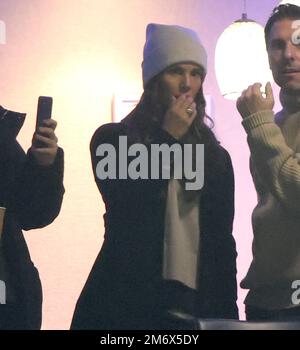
column 256, row 314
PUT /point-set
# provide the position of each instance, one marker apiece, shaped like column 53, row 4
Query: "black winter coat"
column 32, row 196
column 125, row 289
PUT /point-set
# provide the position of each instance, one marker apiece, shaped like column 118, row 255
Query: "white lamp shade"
column 294, row 2
column 241, row 58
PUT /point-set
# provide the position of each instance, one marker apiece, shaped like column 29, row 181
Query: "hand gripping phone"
column 44, row 110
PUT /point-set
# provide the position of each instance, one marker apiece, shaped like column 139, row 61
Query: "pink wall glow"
column 81, row 52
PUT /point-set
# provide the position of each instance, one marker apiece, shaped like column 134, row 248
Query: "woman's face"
column 183, row 79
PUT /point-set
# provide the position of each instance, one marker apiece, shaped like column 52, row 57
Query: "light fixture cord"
column 244, row 16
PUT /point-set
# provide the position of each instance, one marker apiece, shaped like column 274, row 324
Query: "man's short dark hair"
column 280, row 12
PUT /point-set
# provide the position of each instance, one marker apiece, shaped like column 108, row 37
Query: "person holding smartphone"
column 168, row 251
column 31, row 193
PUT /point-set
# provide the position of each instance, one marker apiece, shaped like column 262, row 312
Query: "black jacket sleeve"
column 229, row 309
column 227, row 248
column 219, row 255
column 38, row 192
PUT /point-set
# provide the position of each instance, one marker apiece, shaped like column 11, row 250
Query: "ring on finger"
column 189, row 111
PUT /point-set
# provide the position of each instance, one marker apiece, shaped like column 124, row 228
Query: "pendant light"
column 241, row 57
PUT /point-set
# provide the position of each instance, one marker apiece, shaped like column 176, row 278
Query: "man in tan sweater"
column 273, row 279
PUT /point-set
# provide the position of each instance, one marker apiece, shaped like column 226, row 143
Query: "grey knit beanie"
column 169, row 44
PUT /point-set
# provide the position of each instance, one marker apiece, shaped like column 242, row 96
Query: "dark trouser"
column 256, row 314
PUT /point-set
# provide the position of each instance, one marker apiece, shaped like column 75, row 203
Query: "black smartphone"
column 44, row 110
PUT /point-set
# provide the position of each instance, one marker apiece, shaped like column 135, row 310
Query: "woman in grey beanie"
column 168, row 251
